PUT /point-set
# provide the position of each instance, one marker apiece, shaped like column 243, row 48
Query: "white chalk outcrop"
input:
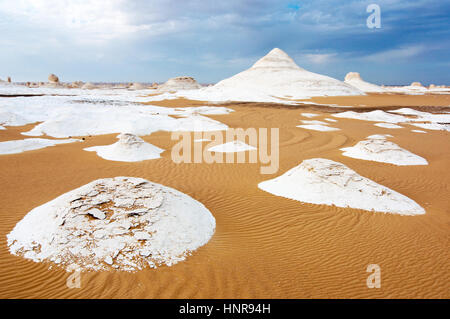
column 424, row 120
column 179, row 83
column 129, row 148
column 232, row 147
column 376, row 148
column 387, row 125
column 30, row 144
column 274, row 78
column 123, row 222
column 322, row 181
column 354, row 79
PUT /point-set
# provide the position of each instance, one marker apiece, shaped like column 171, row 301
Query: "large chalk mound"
column 381, row 150
column 129, row 148
column 354, row 78
column 274, row 78
column 322, row 181
column 123, row 222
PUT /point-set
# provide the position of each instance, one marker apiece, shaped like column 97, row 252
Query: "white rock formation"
column 378, row 149
column 322, row 181
column 387, row 125
column 30, row 144
column 354, row 79
column 126, row 222
column 53, row 79
column 274, row 78
column 129, row 148
column 137, row 86
column 179, row 83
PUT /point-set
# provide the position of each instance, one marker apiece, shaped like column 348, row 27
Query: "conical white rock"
column 274, row 78
column 322, row 181
column 129, row 148
column 126, row 221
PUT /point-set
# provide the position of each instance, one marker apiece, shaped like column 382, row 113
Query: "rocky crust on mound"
column 124, row 222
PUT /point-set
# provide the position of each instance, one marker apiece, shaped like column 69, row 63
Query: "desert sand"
column 264, row 246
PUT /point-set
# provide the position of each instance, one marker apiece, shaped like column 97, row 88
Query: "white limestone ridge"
column 354, row 78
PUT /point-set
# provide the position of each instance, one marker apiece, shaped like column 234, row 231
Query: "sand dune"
column 264, row 246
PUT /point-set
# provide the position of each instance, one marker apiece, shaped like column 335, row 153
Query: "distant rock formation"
column 9, row 79
column 137, row 86
column 53, row 79
column 354, row 79
column 416, row 84
column 180, row 83
column 89, row 86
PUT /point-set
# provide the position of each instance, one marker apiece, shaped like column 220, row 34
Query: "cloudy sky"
column 153, row 40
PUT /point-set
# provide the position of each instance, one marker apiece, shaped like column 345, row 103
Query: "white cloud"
column 85, row 20
column 317, row 58
column 396, row 54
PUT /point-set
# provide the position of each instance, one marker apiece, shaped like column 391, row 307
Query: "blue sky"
column 147, row 41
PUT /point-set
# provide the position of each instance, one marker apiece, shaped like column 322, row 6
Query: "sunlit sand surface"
column 264, row 246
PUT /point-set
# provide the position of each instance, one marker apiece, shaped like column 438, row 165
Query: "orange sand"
column 264, row 246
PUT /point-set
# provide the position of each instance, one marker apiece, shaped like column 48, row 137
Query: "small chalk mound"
column 129, row 148
column 377, row 148
column 124, row 222
column 232, row 147
column 322, row 181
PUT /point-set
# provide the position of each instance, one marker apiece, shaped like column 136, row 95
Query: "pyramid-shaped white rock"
column 127, row 222
column 278, row 75
column 275, row 77
column 129, row 148
column 322, row 181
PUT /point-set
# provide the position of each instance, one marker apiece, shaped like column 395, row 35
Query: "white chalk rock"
column 232, row 147
column 69, row 230
column 379, row 149
column 129, row 148
column 354, row 79
column 322, row 181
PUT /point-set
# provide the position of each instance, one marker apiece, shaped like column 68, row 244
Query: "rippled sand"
column 264, row 246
